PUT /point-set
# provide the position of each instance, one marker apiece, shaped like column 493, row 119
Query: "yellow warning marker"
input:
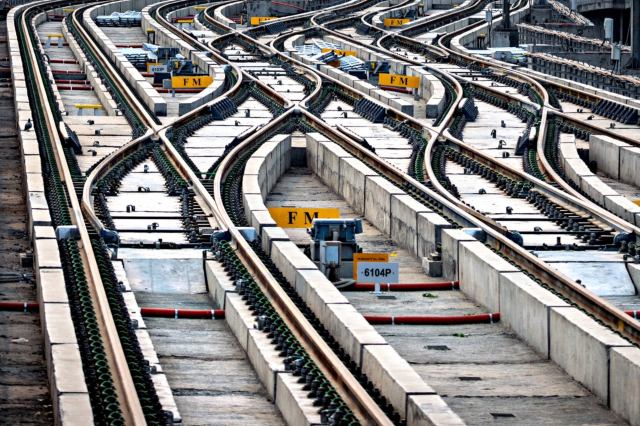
column 367, row 257
column 200, row 7
column 191, row 81
column 292, row 217
column 257, row 20
column 184, row 20
column 398, row 80
column 636, row 202
column 88, row 106
column 68, row 10
column 339, row 52
column 396, row 22
column 55, row 35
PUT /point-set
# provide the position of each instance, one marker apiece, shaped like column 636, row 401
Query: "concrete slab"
column 480, row 270
column 524, row 307
column 451, row 239
column 404, row 220
column 68, row 375
column 46, row 254
column 431, row 410
column 581, row 347
column 625, row 383
column 265, row 360
column 351, row 330
column 393, row 376
column 44, row 232
column 57, row 324
column 164, row 275
column 603, row 273
column 605, row 150
column 219, row 282
column 261, row 220
column 353, row 175
column 74, row 409
column 294, row 406
column 51, row 286
column 289, row 259
column 271, row 234
column 629, row 165
column 317, row 292
column 239, row 318
column 378, row 193
column 330, row 155
column 429, row 232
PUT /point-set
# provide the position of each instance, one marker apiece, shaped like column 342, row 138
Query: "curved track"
column 205, row 183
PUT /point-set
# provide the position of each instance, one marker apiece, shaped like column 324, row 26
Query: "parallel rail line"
column 81, row 210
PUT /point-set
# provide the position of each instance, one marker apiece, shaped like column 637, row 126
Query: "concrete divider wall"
column 160, row 382
column 605, row 151
column 69, row 395
column 345, row 78
column 110, row 106
column 566, row 335
column 431, row 89
column 166, row 38
column 459, row 42
column 386, row 206
column 388, row 371
column 378, row 19
column 541, row 319
column 39, row 19
column 615, row 158
column 221, row 13
column 292, row 41
column 145, row 90
column 608, row 152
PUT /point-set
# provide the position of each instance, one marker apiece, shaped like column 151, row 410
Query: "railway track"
column 539, row 90
column 25, row 396
column 178, row 185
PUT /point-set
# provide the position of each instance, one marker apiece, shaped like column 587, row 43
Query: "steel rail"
column 127, row 395
column 593, row 304
column 113, row 158
column 347, row 386
column 578, row 200
column 337, row 373
column 573, row 197
column 583, row 298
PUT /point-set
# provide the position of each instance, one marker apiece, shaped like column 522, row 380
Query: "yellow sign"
column 339, row 52
column 636, row 202
column 191, row 81
column 291, row 217
column 396, row 22
column 200, row 7
column 367, row 257
column 398, row 80
column 88, row 106
column 184, row 20
column 257, row 20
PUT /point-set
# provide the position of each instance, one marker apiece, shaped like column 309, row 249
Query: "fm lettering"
column 292, row 217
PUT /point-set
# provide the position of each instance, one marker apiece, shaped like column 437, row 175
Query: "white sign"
column 157, row 68
column 378, row 272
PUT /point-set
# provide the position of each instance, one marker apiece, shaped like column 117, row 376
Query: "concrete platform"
column 477, row 386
